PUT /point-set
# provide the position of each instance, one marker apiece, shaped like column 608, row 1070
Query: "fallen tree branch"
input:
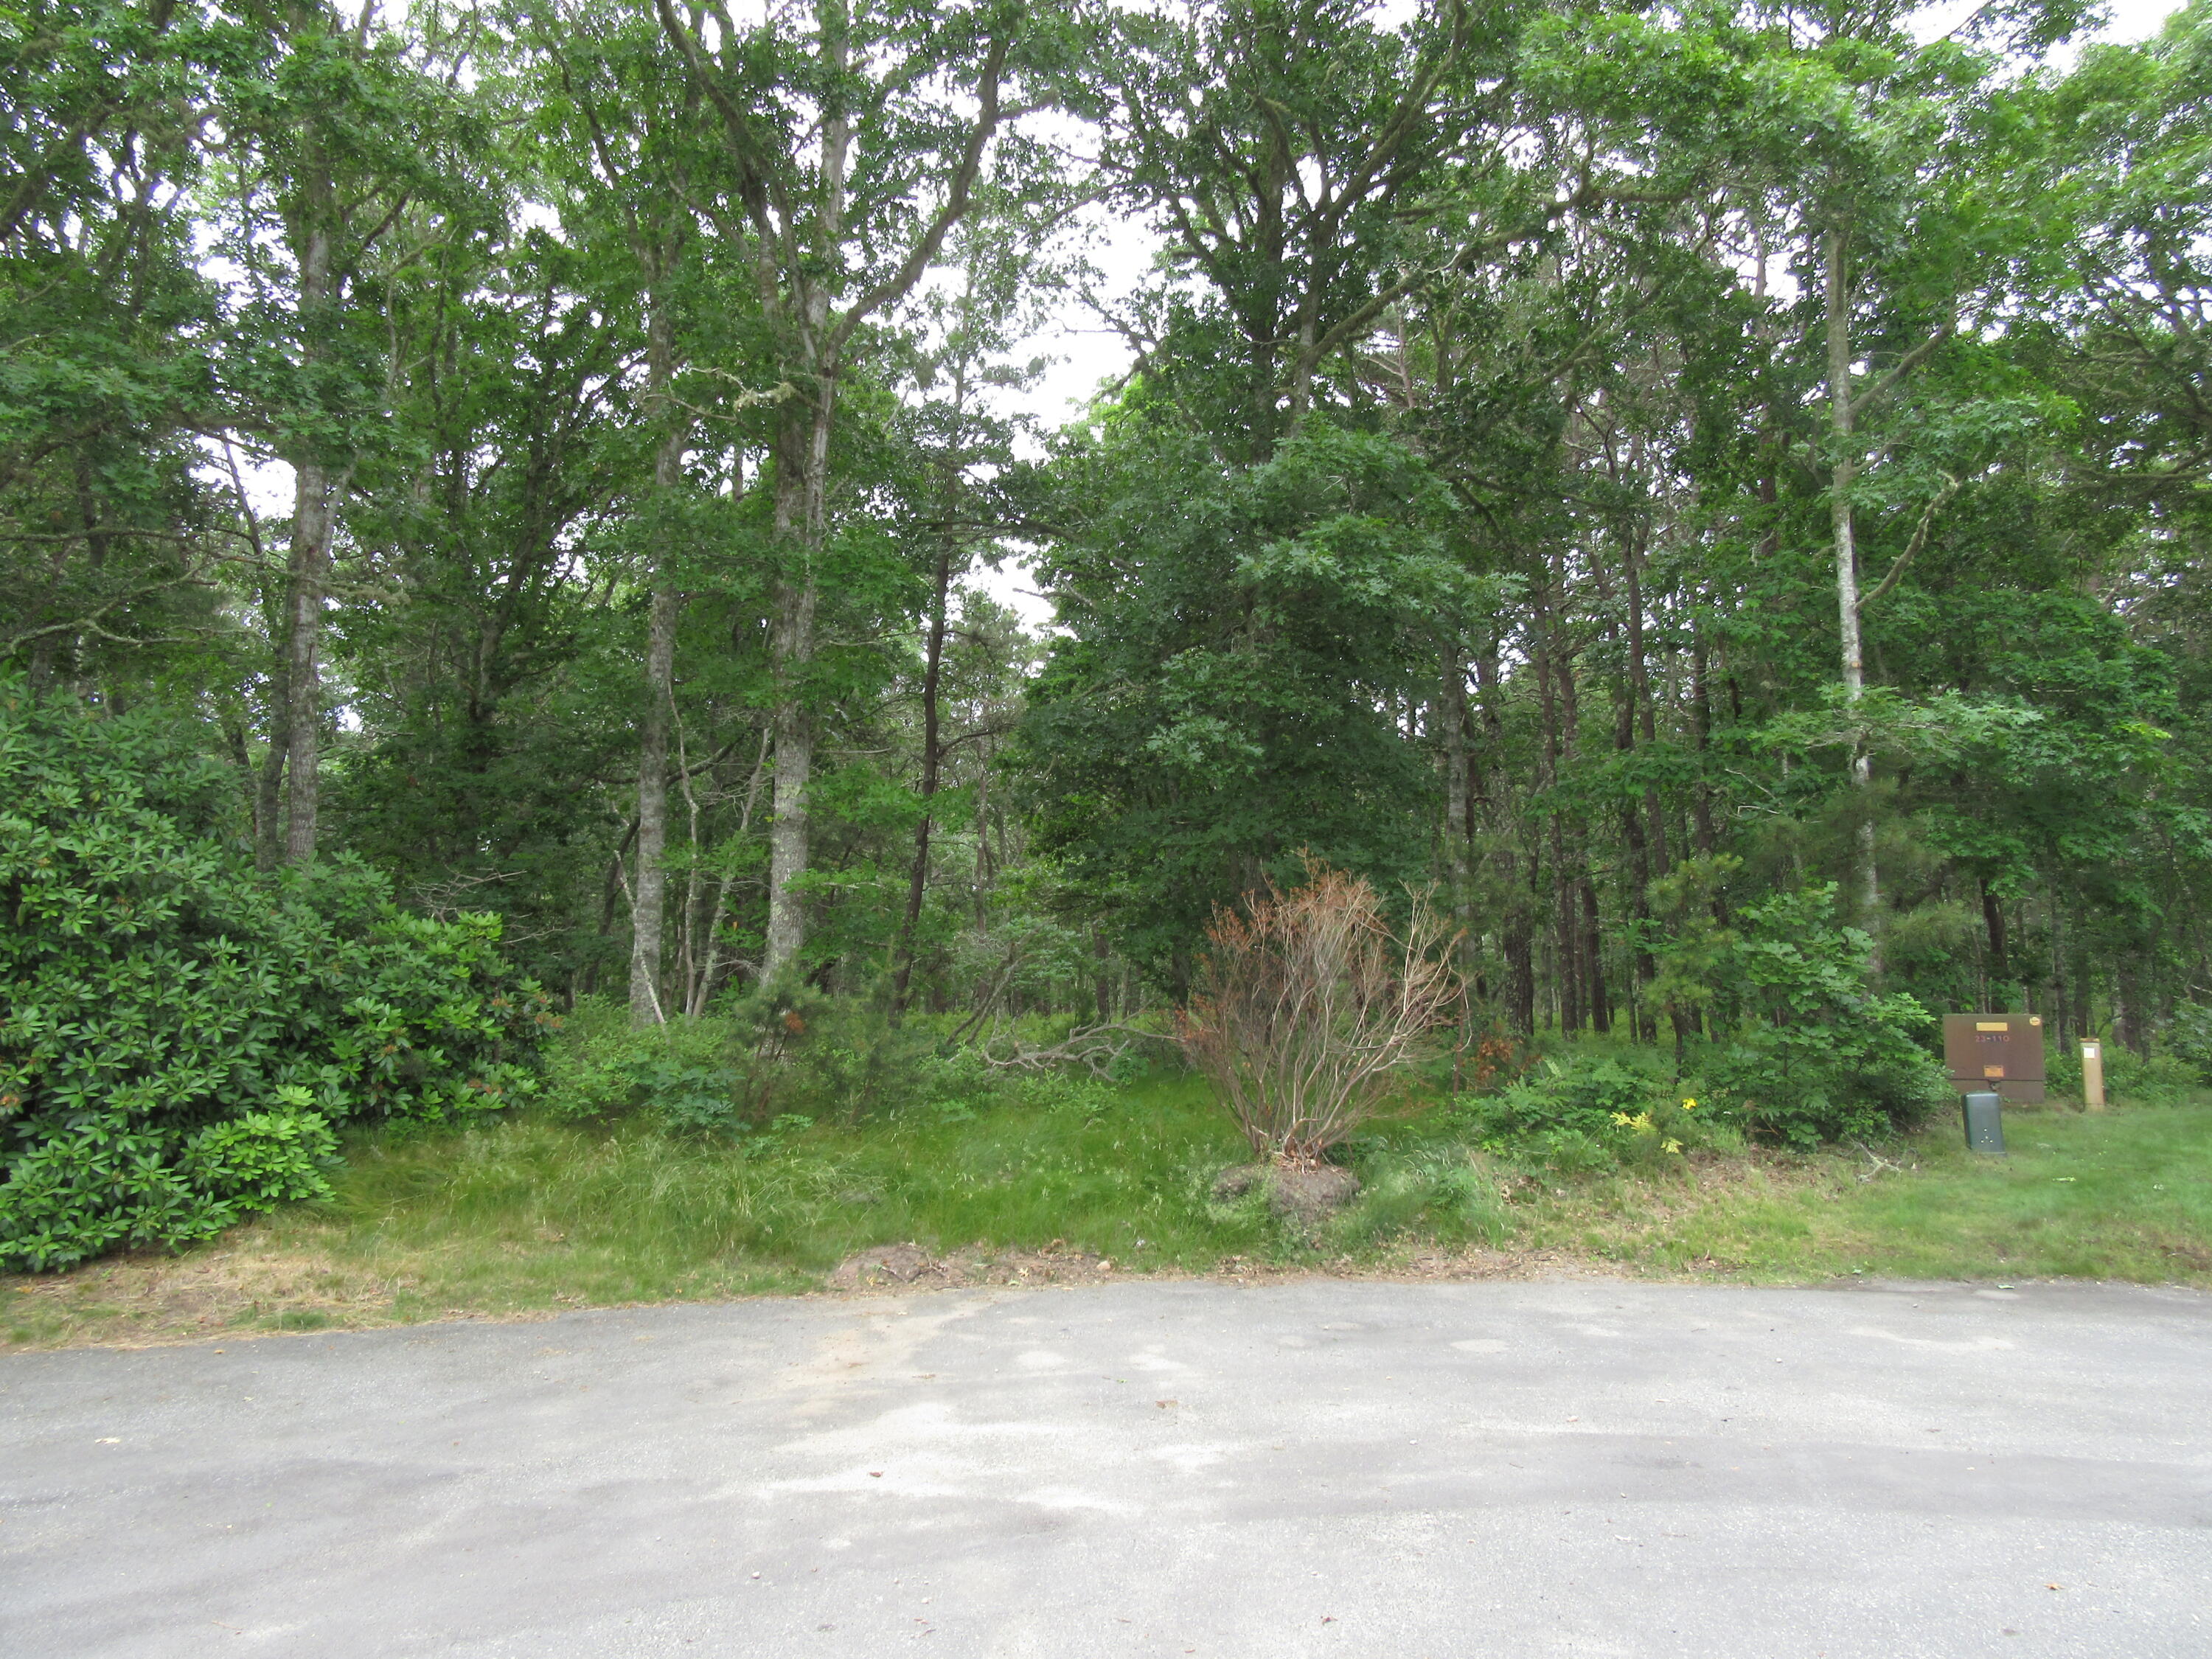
column 1095, row 1048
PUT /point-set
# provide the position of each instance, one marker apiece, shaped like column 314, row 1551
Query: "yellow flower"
column 1673, row 1145
column 1689, row 1105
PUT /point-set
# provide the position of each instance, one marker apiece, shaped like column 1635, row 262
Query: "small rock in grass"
column 1308, row 1195
column 904, row 1263
column 1234, row 1183
column 1302, row 1192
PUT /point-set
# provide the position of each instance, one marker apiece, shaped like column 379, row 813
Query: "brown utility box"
column 2002, row 1053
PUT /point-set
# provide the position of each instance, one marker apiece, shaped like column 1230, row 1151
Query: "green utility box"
column 1985, row 1117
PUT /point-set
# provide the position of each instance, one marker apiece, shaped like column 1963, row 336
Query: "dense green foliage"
column 517, row 480
column 180, row 1032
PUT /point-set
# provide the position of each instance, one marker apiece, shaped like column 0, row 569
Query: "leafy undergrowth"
column 532, row 1216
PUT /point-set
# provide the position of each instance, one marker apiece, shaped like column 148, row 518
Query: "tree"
column 332, row 138
column 853, row 169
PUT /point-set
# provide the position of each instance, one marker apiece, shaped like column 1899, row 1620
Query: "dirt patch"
column 1309, row 1197
column 1306, row 1195
column 1056, row 1265
column 887, row 1264
column 909, row 1267
column 139, row 1301
column 251, row 1288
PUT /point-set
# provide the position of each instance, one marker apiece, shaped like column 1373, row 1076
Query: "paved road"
column 1315, row 1467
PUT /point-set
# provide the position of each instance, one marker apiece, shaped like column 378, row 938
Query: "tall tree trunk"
column 1101, row 982
column 2061, row 1023
column 802, row 250
column 306, row 579
column 704, row 990
column 2130, row 1023
column 648, row 891
column 1451, row 718
column 1639, row 686
column 307, row 564
column 269, row 787
column 1600, row 1005
column 932, row 751
column 1844, row 470
column 1513, row 932
column 2085, row 986
column 801, row 515
column 1701, row 713
column 1566, row 977
column 1639, row 872
column 1993, row 922
column 802, row 504
column 1591, row 953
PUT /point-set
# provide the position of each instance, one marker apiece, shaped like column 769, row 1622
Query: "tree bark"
column 1993, row 922
column 801, row 503
column 307, row 577
column 269, row 787
column 1513, row 928
column 1639, row 686
column 1600, row 1005
column 802, row 499
column 1844, row 470
column 1702, row 839
column 1566, row 977
column 704, row 989
column 932, row 754
column 1451, row 718
column 307, row 562
column 648, row 890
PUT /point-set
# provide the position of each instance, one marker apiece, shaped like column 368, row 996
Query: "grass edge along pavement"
column 528, row 1217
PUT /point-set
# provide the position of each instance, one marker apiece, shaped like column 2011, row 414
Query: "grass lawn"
column 530, row 1215
column 2122, row 1194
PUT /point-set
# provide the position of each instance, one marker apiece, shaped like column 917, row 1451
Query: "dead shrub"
column 1310, row 1010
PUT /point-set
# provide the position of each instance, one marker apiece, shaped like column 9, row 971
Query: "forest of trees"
column 1620, row 465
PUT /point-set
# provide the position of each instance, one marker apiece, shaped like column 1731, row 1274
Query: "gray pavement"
column 1175, row 1468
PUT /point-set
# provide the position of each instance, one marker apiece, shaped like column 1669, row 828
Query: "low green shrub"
column 1809, row 1051
column 1581, row 1114
column 2188, row 1038
column 684, row 1076
column 179, row 1033
column 2167, row 1079
column 2151, row 1080
column 783, row 1053
column 1585, row 1093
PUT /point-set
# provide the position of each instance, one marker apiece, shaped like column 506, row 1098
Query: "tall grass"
column 1121, row 1171
column 533, row 1212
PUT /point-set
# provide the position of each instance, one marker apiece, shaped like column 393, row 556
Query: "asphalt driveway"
column 1176, row 1468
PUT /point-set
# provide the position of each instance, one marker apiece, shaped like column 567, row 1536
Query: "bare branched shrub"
column 1310, row 1010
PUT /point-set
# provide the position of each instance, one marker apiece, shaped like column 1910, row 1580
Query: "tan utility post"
column 2093, row 1075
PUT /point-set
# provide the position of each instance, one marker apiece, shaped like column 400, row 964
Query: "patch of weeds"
column 1448, row 1195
